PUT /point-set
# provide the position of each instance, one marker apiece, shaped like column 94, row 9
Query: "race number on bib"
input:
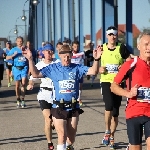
column 112, row 68
column 66, row 86
column 143, row 94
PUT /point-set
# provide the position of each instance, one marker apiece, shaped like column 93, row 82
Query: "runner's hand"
column 98, row 52
column 133, row 92
column 27, row 53
column 102, row 70
column 119, row 67
column 30, row 87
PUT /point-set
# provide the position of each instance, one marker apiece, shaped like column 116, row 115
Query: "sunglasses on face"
column 112, row 34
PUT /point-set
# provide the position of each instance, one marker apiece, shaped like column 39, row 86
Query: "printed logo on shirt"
column 72, row 75
column 66, row 86
column 21, row 59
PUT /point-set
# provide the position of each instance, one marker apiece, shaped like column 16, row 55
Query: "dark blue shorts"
column 135, row 129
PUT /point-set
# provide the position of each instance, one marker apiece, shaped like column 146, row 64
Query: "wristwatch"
column 97, row 59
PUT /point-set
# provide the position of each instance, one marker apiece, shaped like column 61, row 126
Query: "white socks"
column 61, row 147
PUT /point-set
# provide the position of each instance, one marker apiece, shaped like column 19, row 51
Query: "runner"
column 78, row 58
column 137, row 75
column 8, row 64
column 46, row 94
column 39, row 52
column 65, row 76
column 58, row 47
column 19, row 70
column 90, row 59
column 2, row 56
column 113, row 56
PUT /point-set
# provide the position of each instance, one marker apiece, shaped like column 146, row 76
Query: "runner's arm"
column 33, row 69
column 94, row 69
column 125, row 53
column 115, row 86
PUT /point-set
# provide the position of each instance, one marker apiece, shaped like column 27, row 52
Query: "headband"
column 111, row 31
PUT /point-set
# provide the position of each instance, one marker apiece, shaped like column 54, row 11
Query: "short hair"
column 59, row 43
column 111, row 27
column 142, row 34
column 19, row 37
column 76, row 42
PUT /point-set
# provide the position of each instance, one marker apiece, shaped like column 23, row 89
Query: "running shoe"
column 23, row 104
column 106, row 140
column 9, row 84
column 18, row 104
column 69, row 147
column 51, row 147
column 113, row 146
column 11, row 79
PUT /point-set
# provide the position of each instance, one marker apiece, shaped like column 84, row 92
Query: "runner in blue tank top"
column 65, row 76
column 8, row 64
column 19, row 70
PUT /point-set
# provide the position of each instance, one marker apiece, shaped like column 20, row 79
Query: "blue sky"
column 10, row 10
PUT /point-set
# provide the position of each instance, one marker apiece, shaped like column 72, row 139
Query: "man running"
column 113, row 56
column 46, row 94
column 65, row 76
column 78, row 58
column 19, row 70
column 8, row 64
column 136, row 72
column 90, row 59
column 2, row 56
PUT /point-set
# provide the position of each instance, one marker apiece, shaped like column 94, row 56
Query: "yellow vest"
column 111, row 60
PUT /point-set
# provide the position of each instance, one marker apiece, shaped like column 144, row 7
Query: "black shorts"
column 135, row 129
column 111, row 100
column 1, row 71
column 63, row 114
column 9, row 67
column 45, row 105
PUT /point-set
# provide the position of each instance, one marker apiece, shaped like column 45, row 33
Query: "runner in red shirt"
column 137, row 92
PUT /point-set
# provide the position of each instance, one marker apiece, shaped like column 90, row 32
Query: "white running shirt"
column 43, row 94
column 78, row 58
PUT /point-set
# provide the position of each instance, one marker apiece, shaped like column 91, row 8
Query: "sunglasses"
column 112, row 34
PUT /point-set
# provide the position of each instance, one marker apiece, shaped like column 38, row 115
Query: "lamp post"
column 24, row 18
column 16, row 29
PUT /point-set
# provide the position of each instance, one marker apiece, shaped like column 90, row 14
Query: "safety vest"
column 111, row 60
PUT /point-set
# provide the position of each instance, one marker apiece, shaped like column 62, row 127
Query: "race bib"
column 112, row 68
column 143, row 94
column 66, row 86
column 21, row 59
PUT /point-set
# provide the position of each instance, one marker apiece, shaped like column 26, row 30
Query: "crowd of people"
column 61, row 71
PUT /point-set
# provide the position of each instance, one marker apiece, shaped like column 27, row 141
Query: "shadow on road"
column 24, row 139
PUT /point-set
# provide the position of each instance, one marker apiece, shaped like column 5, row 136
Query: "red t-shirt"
column 140, row 76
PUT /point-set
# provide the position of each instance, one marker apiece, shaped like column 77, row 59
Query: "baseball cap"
column 48, row 47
